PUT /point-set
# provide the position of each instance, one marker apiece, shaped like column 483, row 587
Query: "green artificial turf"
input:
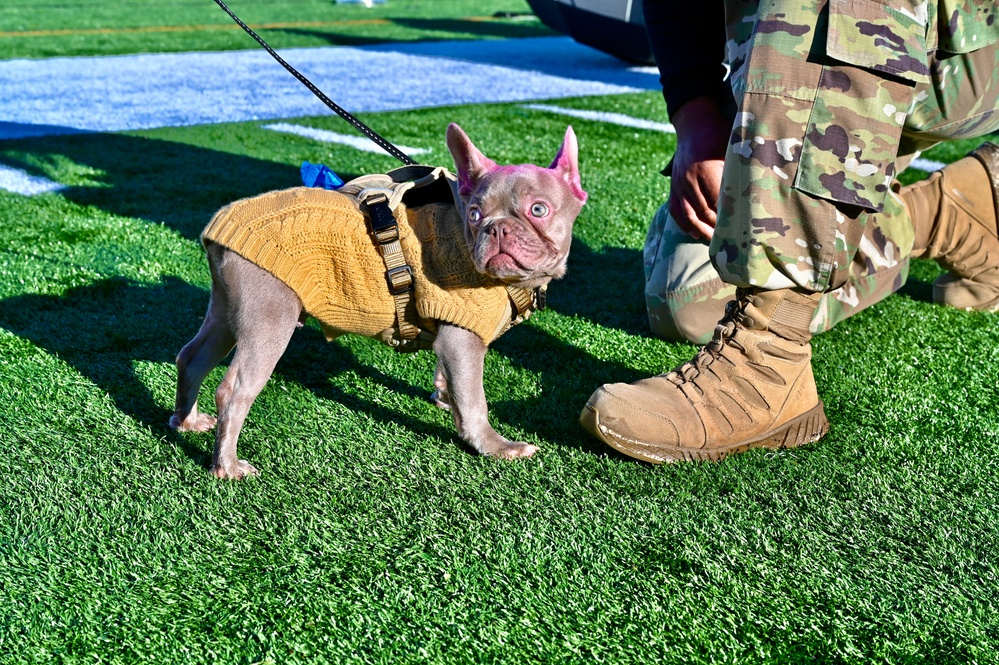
column 373, row 534
column 45, row 28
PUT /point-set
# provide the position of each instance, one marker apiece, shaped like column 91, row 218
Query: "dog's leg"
column 263, row 313
column 212, row 343
column 460, row 355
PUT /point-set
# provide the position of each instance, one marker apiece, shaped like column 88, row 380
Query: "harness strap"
column 525, row 302
column 398, row 274
column 377, row 196
column 522, row 299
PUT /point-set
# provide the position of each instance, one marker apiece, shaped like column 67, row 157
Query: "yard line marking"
column 927, row 165
column 605, row 116
column 326, row 136
column 22, row 182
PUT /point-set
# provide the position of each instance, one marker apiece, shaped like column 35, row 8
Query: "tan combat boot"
column 953, row 213
column 751, row 386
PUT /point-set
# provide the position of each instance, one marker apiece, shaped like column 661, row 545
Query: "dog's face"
column 518, row 219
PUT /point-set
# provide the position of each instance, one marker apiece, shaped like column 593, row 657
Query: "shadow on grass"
column 604, row 287
column 917, row 289
column 102, row 329
column 919, row 285
column 177, row 184
column 567, row 378
column 448, row 29
column 478, row 29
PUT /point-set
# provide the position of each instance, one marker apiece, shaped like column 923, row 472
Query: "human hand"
column 702, row 132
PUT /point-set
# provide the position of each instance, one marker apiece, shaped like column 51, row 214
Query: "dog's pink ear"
column 567, row 164
column 471, row 164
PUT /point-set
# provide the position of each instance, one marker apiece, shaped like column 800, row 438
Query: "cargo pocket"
column 876, row 57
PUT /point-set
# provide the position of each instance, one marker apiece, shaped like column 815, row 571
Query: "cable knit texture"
column 317, row 242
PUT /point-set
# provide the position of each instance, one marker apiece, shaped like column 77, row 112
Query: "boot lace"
column 711, row 352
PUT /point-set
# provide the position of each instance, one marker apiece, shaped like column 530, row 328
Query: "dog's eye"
column 539, row 209
column 474, row 215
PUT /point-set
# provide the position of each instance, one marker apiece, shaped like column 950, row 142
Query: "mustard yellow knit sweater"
column 317, row 242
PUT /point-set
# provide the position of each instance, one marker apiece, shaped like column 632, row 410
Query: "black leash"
column 360, row 126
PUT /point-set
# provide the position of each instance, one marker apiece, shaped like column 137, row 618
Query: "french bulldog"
column 517, row 222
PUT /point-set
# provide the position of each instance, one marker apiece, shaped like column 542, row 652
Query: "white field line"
column 21, row 182
column 326, row 136
column 927, row 165
column 366, row 145
column 605, row 116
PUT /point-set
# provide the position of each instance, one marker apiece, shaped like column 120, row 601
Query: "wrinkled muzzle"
column 510, row 249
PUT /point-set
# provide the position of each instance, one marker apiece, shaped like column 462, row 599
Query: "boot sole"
column 806, row 428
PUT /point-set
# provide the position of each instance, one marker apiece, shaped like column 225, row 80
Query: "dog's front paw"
column 194, row 422
column 505, row 449
column 516, row 450
column 241, row 469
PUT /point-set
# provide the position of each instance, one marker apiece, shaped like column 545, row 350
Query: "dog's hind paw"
column 195, row 422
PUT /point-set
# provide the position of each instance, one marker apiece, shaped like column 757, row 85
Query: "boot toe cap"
column 641, row 423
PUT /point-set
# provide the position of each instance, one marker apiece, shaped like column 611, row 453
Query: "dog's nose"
column 501, row 228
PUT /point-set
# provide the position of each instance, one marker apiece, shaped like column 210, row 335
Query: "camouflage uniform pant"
column 832, row 98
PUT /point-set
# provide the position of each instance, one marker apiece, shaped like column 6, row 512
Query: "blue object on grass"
column 320, row 175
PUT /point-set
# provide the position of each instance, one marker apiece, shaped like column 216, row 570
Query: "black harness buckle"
column 383, row 223
column 400, row 280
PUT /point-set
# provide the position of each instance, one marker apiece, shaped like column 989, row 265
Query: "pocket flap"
column 851, row 140
column 868, row 34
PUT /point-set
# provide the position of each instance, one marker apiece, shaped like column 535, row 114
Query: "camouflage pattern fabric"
column 685, row 298
column 834, row 97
